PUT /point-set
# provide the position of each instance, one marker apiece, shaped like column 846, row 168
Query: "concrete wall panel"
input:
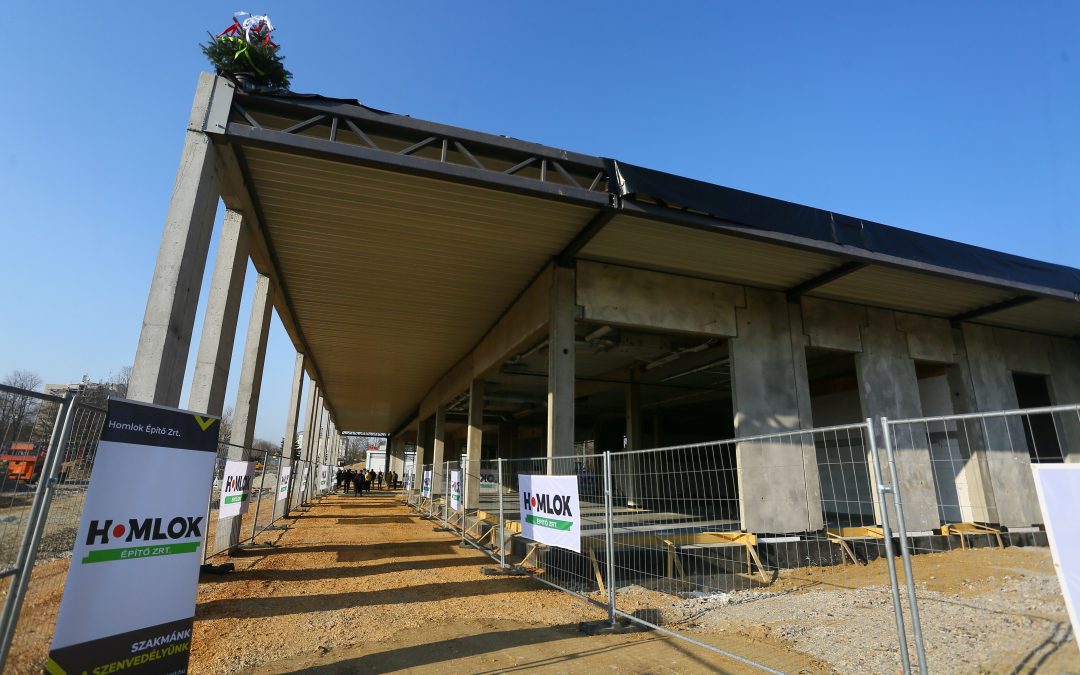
column 928, row 338
column 833, row 325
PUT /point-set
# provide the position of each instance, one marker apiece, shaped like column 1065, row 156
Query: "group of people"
column 363, row 481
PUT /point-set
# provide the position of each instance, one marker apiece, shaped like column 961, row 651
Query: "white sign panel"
column 129, row 597
column 425, row 486
column 549, row 510
column 1059, row 496
column 489, row 481
column 283, row 483
column 324, row 473
column 235, row 488
column 455, row 490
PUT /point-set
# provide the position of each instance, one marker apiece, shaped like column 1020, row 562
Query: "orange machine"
column 23, row 461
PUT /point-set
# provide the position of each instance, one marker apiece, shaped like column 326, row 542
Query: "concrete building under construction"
column 519, row 300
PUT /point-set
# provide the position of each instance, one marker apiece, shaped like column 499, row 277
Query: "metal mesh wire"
column 967, row 494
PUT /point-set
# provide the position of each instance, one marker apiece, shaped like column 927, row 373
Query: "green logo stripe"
column 128, row 553
column 553, row 523
column 232, row 499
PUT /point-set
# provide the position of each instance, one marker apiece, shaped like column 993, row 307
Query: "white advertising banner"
column 283, row 483
column 1058, row 486
column 455, row 490
column 235, row 488
column 425, row 486
column 324, row 473
column 549, row 510
column 489, row 481
column 303, row 485
column 129, row 597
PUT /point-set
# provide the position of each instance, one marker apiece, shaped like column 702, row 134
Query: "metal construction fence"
column 47, row 449
column 668, row 535
column 981, row 504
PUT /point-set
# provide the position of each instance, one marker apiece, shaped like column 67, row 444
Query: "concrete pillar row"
column 157, row 374
column 474, row 440
column 560, row 393
column 292, row 419
column 227, row 534
column 219, row 323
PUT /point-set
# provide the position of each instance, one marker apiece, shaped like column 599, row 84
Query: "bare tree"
column 119, row 380
column 18, row 411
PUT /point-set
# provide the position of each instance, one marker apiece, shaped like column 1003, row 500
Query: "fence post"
column 609, row 535
column 894, row 583
column 916, row 624
column 463, row 502
column 258, row 502
column 446, row 496
column 35, row 525
column 502, row 518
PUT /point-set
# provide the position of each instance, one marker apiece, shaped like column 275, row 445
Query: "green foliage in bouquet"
column 245, row 52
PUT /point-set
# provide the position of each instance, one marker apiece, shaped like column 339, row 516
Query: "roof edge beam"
column 835, row 274
column 243, row 134
column 710, row 224
column 980, row 312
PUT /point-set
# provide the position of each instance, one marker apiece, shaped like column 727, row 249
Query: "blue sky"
column 956, row 119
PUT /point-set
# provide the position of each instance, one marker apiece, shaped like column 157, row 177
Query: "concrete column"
column 292, row 419
column 998, row 446
column 297, row 496
column 474, row 439
column 777, row 477
column 227, row 534
column 560, row 394
column 157, row 375
column 1065, row 390
column 418, row 463
column 438, row 446
column 507, row 438
column 311, row 435
column 219, row 323
column 626, row 469
column 889, row 387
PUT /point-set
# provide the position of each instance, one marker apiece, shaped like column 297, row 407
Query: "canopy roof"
column 397, row 243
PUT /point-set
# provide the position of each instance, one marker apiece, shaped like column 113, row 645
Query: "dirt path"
column 360, row 584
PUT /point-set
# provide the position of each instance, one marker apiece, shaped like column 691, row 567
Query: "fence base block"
column 210, row 568
column 508, row 571
column 605, row 627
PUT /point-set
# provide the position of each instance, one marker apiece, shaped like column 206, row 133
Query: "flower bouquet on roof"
column 245, row 53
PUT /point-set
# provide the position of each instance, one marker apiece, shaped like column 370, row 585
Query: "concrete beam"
column 474, row 439
column 157, row 375
column 561, row 351
column 777, row 477
column 523, row 324
column 219, row 322
column 636, row 298
column 292, row 419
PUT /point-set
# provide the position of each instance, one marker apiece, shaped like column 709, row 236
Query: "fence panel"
column 980, row 573
column 28, row 621
column 261, row 514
